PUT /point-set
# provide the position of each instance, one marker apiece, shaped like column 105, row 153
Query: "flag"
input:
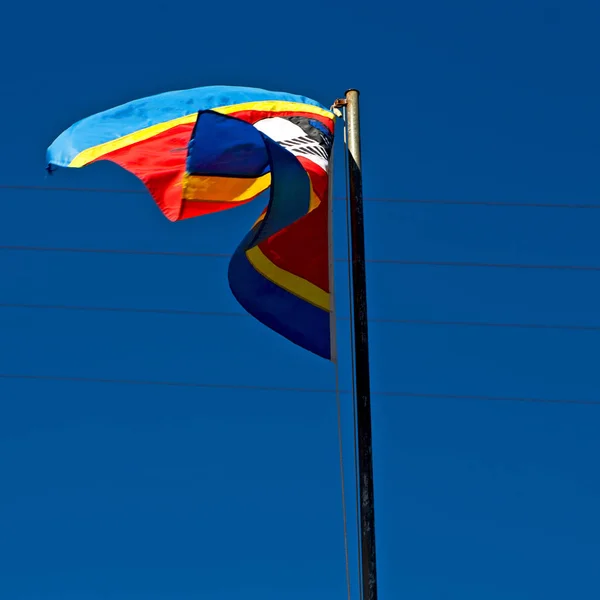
column 212, row 148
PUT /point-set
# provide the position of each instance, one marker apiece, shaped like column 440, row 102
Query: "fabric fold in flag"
column 210, row 149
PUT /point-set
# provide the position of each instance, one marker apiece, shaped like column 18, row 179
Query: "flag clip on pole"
column 361, row 350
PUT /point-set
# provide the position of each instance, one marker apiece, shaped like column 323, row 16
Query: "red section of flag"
column 303, row 247
column 159, row 162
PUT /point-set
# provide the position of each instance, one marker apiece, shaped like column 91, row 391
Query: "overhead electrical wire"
column 208, row 313
column 391, row 261
column 302, row 390
column 577, row 206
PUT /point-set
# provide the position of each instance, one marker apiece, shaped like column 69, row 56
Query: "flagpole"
column 361, row 349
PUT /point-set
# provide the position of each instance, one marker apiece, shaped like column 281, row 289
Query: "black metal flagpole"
column 361, row 350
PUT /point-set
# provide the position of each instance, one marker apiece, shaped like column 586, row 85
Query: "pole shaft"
column 361, row 349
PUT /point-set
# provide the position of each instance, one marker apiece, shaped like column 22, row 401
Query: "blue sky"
column 123, row 492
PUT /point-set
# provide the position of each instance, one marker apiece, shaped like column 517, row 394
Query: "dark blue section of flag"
column 299, row 321
column 226, row 146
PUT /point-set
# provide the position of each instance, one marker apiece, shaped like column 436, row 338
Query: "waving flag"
column 209, row 149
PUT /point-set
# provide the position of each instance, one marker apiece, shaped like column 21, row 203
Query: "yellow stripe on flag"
column 224, row 189
column 95, row 152
column 288, row 281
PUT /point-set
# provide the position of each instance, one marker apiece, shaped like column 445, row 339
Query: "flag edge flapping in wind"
column 123, row 130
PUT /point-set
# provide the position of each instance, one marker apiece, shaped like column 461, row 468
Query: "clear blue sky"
column 120, row 492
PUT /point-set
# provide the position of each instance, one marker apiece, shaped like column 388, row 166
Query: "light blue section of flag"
column 127, row 118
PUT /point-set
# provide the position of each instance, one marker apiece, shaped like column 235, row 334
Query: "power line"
column 181, row 384
column 449, row 263
column 487, row 398
column 496, row 203
column 156, row 311
column 197, row 313
column 489, row 324
column 47, row 188
column 302, row 390
column 115, row 251
column 391, row 261
column 579, row 206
